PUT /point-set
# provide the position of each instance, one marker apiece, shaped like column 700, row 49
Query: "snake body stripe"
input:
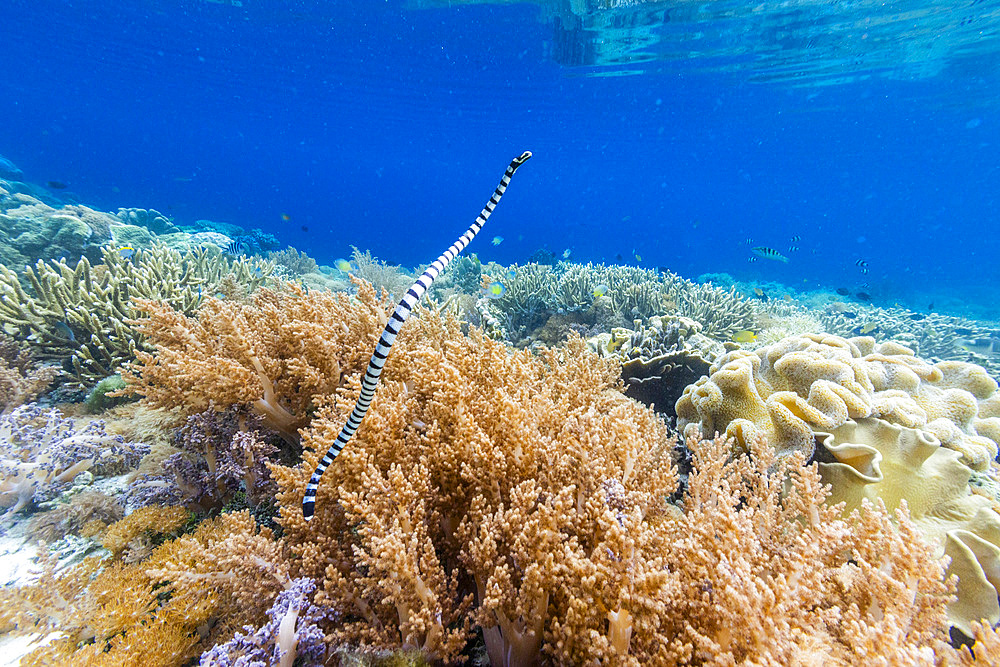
column 396, row 320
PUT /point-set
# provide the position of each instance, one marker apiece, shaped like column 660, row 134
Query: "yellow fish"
column 745, row 336
column 343, row 265
column 869, row 327
column 601, row 290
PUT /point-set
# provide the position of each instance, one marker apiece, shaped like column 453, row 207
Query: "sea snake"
column 399, row 316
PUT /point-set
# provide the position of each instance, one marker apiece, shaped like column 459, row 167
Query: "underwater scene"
column 499, row 333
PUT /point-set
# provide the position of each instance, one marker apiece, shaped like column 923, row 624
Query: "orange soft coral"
column 513, row 490
column 277, row 353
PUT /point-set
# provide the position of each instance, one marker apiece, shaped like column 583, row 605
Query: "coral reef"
column 295, row 263
column 220, row 454
column 381, row 275
column 784, row 391
column 83, row 315
column 31, row 230
column 278, row 352
column 189, row 594
column 292, row 636
column 536, row 293
column 41, row 453
column 21, row 381
column 157, row 223
column 872, row 459
column 92, row 509
column 660, row 359
column 803, row 389
column 475, row 465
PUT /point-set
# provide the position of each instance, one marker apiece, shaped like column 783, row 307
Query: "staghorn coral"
column 278, row 353
column 41, row 453
column 83, row 315
column 21, row 381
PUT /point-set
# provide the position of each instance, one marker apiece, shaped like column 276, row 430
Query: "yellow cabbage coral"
column 785, row 391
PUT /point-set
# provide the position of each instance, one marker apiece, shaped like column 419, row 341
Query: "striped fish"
column 399, row 316
column 237, row 247
column 768, row 253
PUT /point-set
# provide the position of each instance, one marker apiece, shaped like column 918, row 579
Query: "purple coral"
column 292, row 635
column 41, row 452
column 221, row 452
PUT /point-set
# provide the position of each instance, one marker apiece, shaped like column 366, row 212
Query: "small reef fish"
column 745, row 336
column 749, row 241
column 787, row 297
column 126, row 252
column 794, row 243
column 638, row 258
column 868, row 327
column 843, row 291
column 768, row 253
column 497, row 240
column 237, row 247
column 494, row 289
column 511, row 273
column 862, row 264
column 566, row 253
column 63, row 330
column 849, row 314
column 304, row 228
column 863, row 296
column 601, row 290
column 982, row 346
column 760, row 294
column 56, row 185
column 343, row 265
column 916, row 317
column 286, row 217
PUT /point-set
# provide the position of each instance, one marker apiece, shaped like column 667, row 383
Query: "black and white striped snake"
column 396, row 320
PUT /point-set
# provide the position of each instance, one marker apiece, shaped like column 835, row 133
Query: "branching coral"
column 278, row 353
column 83, row 315
column 525, row 494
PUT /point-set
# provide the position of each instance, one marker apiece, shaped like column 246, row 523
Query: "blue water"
column 386, row 125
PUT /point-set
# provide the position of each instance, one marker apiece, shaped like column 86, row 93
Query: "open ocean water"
column 665, row 134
